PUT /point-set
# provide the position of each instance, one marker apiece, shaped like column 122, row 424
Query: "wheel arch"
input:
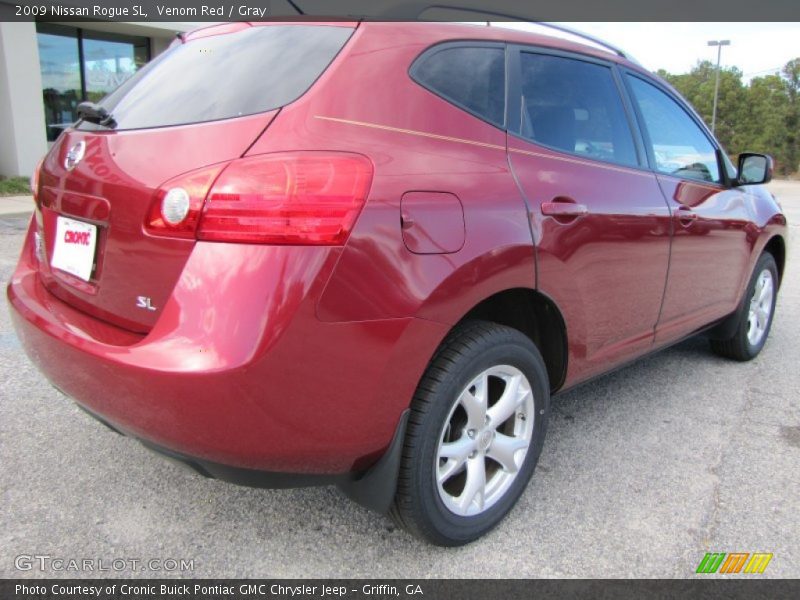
column 524, row 309
column 776, row 246
column 535, row 315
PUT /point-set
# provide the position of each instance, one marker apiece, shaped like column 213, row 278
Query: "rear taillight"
column 283, row 198
column 298, row 198
column 191, row 186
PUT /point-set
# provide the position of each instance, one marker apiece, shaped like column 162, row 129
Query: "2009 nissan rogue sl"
column 368, row 254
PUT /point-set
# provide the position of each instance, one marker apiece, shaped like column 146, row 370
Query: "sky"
column 756, row 48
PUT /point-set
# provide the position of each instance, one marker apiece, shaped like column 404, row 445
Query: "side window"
column 679, row 145
column 473, row 78
column 574, row 106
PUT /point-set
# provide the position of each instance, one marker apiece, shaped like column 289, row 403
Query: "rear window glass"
column 473, row 78
column 222, row 76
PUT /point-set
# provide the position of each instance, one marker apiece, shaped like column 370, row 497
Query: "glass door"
column 59, row 59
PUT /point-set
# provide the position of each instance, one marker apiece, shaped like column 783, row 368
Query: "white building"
column 47, row 69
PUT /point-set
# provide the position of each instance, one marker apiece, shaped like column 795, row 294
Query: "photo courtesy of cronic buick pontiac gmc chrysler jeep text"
column 367, row 254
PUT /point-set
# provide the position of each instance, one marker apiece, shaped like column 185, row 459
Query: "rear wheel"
column 755, row 314
column 476, row 430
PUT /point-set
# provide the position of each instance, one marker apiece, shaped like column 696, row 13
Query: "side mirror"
column 754, row 169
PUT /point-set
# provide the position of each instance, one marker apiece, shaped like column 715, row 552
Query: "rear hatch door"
column 204, row 101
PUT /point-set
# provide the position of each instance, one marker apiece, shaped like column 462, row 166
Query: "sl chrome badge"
column 75, row 155
column 145, row 303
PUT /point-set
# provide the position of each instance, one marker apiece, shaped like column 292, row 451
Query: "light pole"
column 719, row 44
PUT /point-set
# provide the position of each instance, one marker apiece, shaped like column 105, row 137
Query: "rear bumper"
column 374, row 488
column 236, row 475
column 238, row 371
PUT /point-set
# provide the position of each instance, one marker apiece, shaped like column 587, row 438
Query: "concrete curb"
column 10, row 205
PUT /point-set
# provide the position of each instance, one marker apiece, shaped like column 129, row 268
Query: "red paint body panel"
column 224, row 375
column 711, row 255
column 301, row 358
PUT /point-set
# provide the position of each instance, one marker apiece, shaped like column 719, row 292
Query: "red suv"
column 368, row 254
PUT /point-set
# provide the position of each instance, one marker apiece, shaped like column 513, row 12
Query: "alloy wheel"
column 485, row 440
column 760, row 307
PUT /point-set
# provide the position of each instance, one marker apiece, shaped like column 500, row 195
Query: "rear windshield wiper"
column 94, row 113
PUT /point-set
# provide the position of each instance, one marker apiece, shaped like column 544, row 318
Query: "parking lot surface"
column 643, row 472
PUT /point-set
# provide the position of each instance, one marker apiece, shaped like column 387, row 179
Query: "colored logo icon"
column 734, row 562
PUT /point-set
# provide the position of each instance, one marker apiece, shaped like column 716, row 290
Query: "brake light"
column 303, row 198
column 287, row 198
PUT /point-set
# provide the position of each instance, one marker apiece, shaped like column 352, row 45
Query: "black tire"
column 738, row 346
column 466, row 353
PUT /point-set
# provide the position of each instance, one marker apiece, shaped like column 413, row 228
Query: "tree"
column 763, row 116
column 767, row 111
column 792, row 74
column 697, row 87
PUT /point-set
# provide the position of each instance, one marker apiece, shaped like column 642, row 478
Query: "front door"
column 710, row 249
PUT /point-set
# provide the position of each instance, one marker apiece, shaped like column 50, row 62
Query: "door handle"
column 686, row 215
column 563, row 209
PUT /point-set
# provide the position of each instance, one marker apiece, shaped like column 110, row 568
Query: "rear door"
column 203, row 102
column 710, row 250
column 599, row 220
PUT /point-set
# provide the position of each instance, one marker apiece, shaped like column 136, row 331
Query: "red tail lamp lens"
column 299, row 198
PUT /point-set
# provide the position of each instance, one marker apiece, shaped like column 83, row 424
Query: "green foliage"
column 791, row 72
column 14, row 186
column 763, row 116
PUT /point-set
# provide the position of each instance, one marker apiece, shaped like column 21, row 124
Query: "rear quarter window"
column 471, row 77
column 223, row 76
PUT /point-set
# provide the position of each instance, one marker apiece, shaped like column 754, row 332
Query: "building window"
column 59, row 60
column 79, row 64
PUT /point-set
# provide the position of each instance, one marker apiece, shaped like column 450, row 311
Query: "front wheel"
column 476, row 430
column 755, row 314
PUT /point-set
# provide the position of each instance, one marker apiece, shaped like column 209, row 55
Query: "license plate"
column 74, row 247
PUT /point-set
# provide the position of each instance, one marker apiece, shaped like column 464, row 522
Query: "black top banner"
column 400, row 10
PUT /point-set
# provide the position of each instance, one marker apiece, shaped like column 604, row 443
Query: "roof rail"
column 454, row 6
column 563, row 28
column 404, row 10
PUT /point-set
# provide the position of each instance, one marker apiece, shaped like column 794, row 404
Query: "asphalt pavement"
column 643, row 472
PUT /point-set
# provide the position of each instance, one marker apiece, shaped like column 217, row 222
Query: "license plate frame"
column 74, row 248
